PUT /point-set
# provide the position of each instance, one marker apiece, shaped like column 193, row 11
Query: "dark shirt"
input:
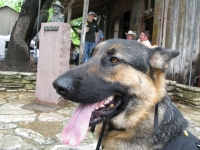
column 90, row 35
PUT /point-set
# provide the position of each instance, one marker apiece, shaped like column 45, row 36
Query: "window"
column 147, row 7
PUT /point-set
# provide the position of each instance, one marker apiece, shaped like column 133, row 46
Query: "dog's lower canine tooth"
column 106, row 102
column 112, row 105
column 101, row 106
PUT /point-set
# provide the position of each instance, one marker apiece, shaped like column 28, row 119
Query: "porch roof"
column 77, row 6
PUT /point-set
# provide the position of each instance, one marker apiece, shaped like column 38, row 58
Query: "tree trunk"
column 17, row 57
column 44, row 15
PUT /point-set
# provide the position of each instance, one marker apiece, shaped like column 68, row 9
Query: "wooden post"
column 106, row 22
column 161, row 21
column 69, row 14
column 164, row 23
column 84, row 23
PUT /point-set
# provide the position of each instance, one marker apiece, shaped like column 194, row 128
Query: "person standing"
column 130, row 35
column 91, row 36
column 144, row 38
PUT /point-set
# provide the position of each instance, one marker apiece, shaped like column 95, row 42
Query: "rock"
column 35, row 136
column 10, row 142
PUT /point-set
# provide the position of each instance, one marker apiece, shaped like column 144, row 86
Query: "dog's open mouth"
column 105, row 109
column 89, row 114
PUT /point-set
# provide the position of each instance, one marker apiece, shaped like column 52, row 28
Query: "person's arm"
column 79, row 30
column 96, row 37
column 102, row 37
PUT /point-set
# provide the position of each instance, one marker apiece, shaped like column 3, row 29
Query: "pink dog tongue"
column 76, row 129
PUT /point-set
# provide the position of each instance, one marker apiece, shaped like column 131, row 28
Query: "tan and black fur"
column 135, row 74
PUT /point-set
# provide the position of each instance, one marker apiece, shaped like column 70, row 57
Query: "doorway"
column 126, row 23
column 148, row 16
column 148, row 25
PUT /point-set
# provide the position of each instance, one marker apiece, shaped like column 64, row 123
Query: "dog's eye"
column 114, row 60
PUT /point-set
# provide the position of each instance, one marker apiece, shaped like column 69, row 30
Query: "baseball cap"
column 91, row 13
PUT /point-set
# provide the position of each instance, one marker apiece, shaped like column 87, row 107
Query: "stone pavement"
column 25, row 125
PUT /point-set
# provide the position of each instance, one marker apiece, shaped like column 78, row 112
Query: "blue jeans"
column 88, row 46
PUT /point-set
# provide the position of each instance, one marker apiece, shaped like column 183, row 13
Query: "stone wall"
column 21, row 81
column 17, row 81
column 187, row 94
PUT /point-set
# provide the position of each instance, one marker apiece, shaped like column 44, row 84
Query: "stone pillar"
column 2, row 49
column 53, row 60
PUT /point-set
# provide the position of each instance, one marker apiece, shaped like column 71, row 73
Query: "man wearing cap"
column 91, row 35
column 57, row 16
column 144, row 38
column 130, row 35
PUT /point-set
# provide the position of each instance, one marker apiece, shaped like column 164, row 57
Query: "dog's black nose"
column 62, row 86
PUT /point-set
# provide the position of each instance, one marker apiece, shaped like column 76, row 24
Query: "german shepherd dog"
column 122, row 84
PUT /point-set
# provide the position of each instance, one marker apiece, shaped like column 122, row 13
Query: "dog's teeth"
column 110, row 98
column 102, row 105
column 112, row 105
column 106, row 101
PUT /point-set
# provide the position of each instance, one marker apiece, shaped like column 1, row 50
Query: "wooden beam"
column 69, row 14
column 149, row 6
column 69, row 5
column 84, row 23
column 72, row 2
column 166, row 2
column 68, row 10
column 161, row 19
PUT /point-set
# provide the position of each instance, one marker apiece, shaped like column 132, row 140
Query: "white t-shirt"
column 145, row 42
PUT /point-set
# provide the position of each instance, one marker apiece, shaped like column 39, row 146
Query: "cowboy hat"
column 57, row 3
column 131, row 33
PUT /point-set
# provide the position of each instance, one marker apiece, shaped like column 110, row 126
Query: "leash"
column 155, row 127
column 101, row 134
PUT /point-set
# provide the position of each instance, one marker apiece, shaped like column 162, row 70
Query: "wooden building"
column 173, row 24
column 8, row 17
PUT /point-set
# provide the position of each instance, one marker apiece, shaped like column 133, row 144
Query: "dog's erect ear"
column 161, row 57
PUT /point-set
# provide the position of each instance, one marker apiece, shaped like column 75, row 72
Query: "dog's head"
column 120, row 75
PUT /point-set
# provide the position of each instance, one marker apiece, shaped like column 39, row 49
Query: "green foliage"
column 2, row 3
column 76, row 22
column 74, row 35
column 14, row 4
column 75, row 38
column 50, row 11
column 17, row 6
